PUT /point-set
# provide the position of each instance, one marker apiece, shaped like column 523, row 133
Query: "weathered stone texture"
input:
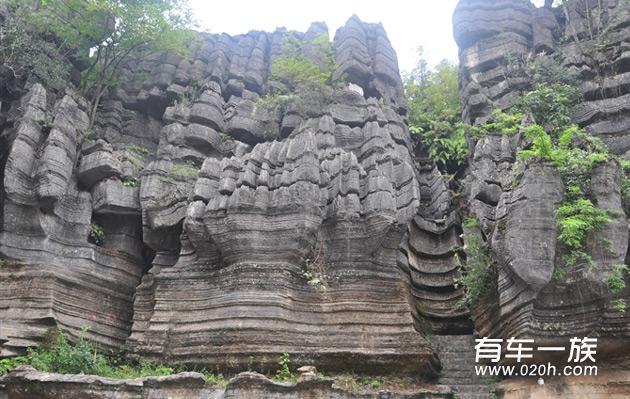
column 230, row 204
column 26, row 383
column 516, row 208
column 613, row 384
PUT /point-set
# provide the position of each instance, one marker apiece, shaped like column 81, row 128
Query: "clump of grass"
column 80, row 357
column 137, row 149
column 188, row 169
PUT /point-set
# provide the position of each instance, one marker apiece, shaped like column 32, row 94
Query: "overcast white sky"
column 409, row 23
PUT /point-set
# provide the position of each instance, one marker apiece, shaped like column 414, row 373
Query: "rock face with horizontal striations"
column 516, row 208
column 259, row 223
column 194, row 225
column 240, row 233
column 27, row 383
column 429, row 253
column 51, row 276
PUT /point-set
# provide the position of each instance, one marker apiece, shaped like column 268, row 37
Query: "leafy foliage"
column 214, row 379
column 435, row 113
column 619, row 305
column 306, row 68
column 189, row 169
column 83, row 357
column 97, row 234
column 129, row 182
column 550, row 104
column 571, row 151
column 475, row 277
column 24, row 52
column 574, row 154
column 502, row 123
column 107, row 34
column 553, row 96
column 470, row 222
column 615, row 278
column 284, row 373
column 294, row 68
column 353, row 383
column 617, row 283
column 576, row 219
column 548, row 69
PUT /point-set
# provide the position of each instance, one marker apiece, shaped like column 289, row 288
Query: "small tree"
column 435, row 112
column 107, row 34
column 24, row 53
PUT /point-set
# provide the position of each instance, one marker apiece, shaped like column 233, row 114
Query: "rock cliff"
column 213, row 209
column 517, row 216
column 193, row 226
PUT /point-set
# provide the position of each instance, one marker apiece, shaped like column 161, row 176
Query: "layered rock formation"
column 516, row 209
column 26, row 383
column 193, row 226
column 234, row 206
column 609, row 384
column 339, row 191
column 50, row 274
column 498, row 38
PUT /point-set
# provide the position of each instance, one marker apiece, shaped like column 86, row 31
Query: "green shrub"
column 139, row 370
column 214, row 379
column 502, row 123
column 541, row 148
column 65, row 358
column 548, row 69
column 619, row 305
column 554, row 94
column 574, row 153
column 616, row 279
column 9, row 363
column 470, row 222
column 308, row 78
column 373, row 383
column 475, row 275
column 550, row 104
column 576, row 219
column 82, row 357
column 188, row 169
column 117, row 33
column 435, row 113
column 129, row 182
column 25, row 52
column 62, row 357
column 293, row 67
column 317, row 280
column 284, row 373
column 97, row 234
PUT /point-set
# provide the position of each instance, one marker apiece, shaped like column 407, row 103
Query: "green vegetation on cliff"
column 476, row 270
column 25, row 53
column 101, row 37
column 544, row 116
column 435, row 113
column 305, row 69
column 575, row 154
column 59, row 355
